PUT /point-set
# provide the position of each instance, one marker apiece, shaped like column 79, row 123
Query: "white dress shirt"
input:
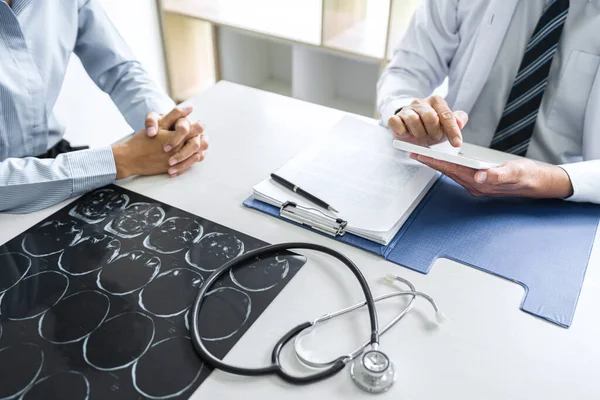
column 559, row 130
column 37, row 38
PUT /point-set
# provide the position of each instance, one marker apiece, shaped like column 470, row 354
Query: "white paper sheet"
column 357, row 171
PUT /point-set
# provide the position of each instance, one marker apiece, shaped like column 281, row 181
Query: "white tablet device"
column 459, row 158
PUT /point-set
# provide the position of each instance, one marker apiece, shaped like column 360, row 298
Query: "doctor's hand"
column 141, row 155
column 185, row 134
column 427, row 122
column 517, row 178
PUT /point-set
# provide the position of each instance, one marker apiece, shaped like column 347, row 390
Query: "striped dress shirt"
column 37, row 38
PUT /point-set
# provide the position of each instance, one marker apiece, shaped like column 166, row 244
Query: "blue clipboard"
column 543, row 245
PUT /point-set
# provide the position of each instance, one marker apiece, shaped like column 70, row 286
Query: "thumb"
column 177, row 113
column 461, row 118
column 152, row 124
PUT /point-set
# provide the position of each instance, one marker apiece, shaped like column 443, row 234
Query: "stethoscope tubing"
column 276, row 368
column 360, row 349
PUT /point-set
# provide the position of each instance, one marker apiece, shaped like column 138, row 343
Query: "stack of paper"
column 356, row 170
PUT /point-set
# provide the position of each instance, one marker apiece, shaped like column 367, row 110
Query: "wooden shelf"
column 335, row 81
column 356, row 26
column 193, row 41
column 328, row 52
column 401, row 14
column 299, row 21
column 254, row 61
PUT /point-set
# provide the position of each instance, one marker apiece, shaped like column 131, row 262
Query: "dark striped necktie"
column 516, row 126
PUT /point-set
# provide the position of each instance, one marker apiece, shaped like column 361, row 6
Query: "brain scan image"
column 171, row 367
column 119, row 342
column 261, row 274
column 135, row 220
column 33, row 296
column 173, row 235
column 50, row 238
column 96, row 300
column 16, row 380
column 128, row 272
column 233, row 308
column 96, row 206
column 214, row 250
column 88, row 254
column 13, row 268
column 171, row 293
column 62, row 385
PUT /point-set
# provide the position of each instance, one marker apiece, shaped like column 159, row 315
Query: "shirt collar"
column 20, row 5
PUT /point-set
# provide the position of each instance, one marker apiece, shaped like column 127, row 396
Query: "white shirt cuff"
column 585, row 178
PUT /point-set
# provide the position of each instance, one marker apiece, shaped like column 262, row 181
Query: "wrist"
column 558, row 183
column 121, row 155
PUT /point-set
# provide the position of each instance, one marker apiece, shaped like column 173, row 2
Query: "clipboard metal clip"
column 313, row 218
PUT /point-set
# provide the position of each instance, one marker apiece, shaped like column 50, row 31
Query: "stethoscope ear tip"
column 441, row 317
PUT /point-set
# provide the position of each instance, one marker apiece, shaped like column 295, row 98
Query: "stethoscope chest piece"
column 373, row 372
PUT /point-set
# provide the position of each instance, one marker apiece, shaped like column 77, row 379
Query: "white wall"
column 88, row 113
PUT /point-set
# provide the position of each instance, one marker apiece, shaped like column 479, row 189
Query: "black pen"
column 303, row 193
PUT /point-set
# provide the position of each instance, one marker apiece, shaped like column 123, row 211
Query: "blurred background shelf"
column 251, row 60
column 329, row 52
column 401, row 13
column 356, row 26
column 297, row 20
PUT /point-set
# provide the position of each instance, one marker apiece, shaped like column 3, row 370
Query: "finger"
column 466, row 180
column 441, row 166
column 459, row 174
column 430, row 120
column 174, row 115
column 413, row 123
column 185, row 165
column 461, row 118
column 152, row 124
column 397, row 126
column 196, row 129
column 465, row 173
column 503, row 175
column 204, row 143
column 447, row 120
column 189, row 148
column 182, row 133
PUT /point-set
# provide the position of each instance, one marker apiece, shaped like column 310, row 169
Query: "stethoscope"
column 371, row 369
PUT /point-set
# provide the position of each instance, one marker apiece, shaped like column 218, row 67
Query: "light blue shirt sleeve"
column 34, row 48
column 30, row 184
column 112, row 66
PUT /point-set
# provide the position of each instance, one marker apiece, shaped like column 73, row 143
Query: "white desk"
column 489, row 349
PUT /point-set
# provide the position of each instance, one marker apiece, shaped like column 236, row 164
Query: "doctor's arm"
column 579, row 182
column 419, row 65
column 31, row 184
column 112, row 66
